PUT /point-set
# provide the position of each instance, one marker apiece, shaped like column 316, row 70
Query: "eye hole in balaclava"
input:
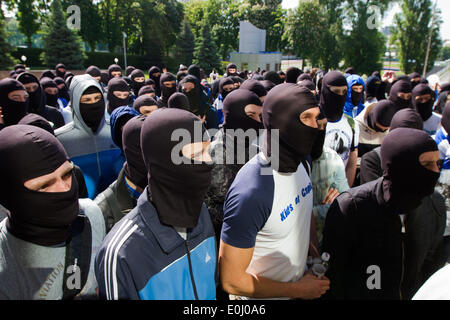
column 399, row 94
column 13, row 101
column 34, row 89
column 333, row 95
column 423, row 100
column 145, row 105
column 226, row 85
column 137, row 80
column 118, row 85
column 381, row 115
column 92, row 107
column 51, row 92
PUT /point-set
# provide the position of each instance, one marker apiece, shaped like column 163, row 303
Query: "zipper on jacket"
column 403, row 258
column 190, row 270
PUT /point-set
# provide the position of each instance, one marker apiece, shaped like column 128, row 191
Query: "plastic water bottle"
column 320, row 268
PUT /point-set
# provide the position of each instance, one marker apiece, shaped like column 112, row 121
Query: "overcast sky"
column 444, row 5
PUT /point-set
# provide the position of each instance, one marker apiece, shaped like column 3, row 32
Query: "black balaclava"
column 64, row 91
column 143, row 100
column 131, row 140
column 152, row 71
column 19, row 66
column 281, row 110
column 194, row 95
column 350, row 70
column 267, row 84
column 104, row 78
column 165, row 91
column 50, row 99
column 445, row 87
column 114, row 68
column 13, row 75
column 292, row 73
column 146, row 89
column 307, row 84
column 176, row 190
column 255, row 86
column 67, row 75
column 282, row 75
column 412, row 76
column 381, row 113
column 441, row 101
column 180, row 76
column 129, row 70
column 117, row 84
column 332, row 104
column 357, row 96
column 445, row 121
column 12, row 111
column 304, row 76
column 424, row 109
column 33, row 119
column 273, row 76
column 405, row 181
column 234, row 110
column 59, row 73
column 372, row 85
column 136, row 86
column 36, row 99
column 222, row 82
column 47, row 74
column 92, row 113
column 94, row 71
column 237, row 79
column 406, row 118
column 150, row 82
column 257, row 77
column 179, row 100
column 400, row 86
column 231, row 66
column 43, row 218
column 68, row 82
column 195, row 71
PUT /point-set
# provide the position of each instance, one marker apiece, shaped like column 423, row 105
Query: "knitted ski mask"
column 179, row 100
column 405, row 181
column 131, row 141
column 406, row 118
column 136, row 86
column 292, row 73
column 273, row 76
column 43, row 218
column 177, row 191
column 36, row 99
column 117, row 84
column 400, row 86
column 255, row 86
column 166, row 92
column 194, row 95
column 50, row 99
column 234, row 110
column 231, row 66
column 12, row 111
column 33, row 119
column 152, row 74
column 129, row 70
column 60, row 73
column 281, row 110
column 412, row 76
column 372, row 85
column 93, row 113
column 143, row 100
column 332, row 104
column 381, row 113
column 64, row 91
column 47, row 74
column 223, row 82
column 146, row 90
column 113, row 68
column 94, row 71
column 424, row 109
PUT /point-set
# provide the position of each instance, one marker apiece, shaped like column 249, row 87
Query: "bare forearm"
column 350, row 169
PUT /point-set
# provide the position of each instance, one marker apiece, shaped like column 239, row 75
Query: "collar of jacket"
column 166, row 236
column 124, row 199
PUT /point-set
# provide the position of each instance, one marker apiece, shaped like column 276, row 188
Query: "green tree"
column 91, row 29
column 411, row 33
column 445, row 53
column 5, row 49
column 185, row 45
column 364, row 45
column 205, row 54
column 27, row 15
column 60, row 43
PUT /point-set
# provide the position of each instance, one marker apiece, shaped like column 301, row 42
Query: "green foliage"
column 33, row 56
column 205, row 54
column 184, row 46
column 445, row 53
column 60, row 43
column 27, row 15
column 411, row 34
column 5, row 48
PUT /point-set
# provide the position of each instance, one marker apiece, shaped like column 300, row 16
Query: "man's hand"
column 331, row 195
column 310, row 287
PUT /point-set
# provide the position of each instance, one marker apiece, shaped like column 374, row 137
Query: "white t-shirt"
column 342, row 136
column 437, row 287
column 272, row 214
column 432, row 124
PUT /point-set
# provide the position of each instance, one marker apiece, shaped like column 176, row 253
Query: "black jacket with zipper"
column 367, row 240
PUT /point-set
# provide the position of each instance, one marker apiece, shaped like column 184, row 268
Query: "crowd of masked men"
column 93, row 205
